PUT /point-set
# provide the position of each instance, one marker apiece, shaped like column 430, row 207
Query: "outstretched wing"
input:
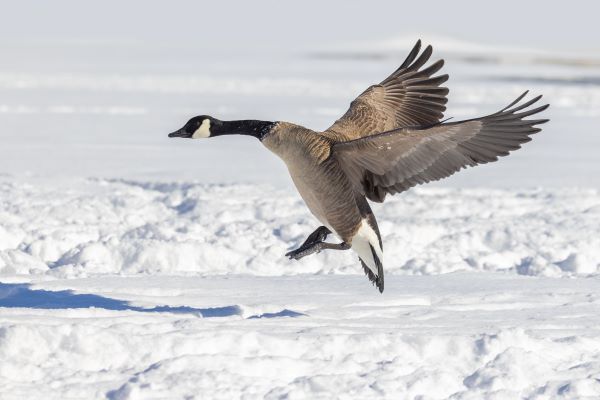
column 408, row 97
column 391, row 162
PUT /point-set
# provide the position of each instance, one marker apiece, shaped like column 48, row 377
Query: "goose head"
column 200, row 127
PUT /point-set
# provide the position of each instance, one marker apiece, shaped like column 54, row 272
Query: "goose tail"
column 377, row 278
column 367, row 244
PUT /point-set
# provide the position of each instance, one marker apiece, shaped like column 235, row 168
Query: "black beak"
column 180, row 133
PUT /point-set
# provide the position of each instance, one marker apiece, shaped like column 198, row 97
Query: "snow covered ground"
column 131, row 290
column 137, row 267
column 82, row 228
column 458, row 336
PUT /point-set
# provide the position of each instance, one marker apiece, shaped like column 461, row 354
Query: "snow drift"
column 93, row 227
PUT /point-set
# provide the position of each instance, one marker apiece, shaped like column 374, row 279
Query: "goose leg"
column 315, row 243
column 319, row 235
column 316, row 248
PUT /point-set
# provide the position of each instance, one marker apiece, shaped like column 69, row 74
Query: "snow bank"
column 457, row 336
column 94, row 227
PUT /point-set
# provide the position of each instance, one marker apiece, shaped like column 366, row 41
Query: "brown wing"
column 394, row 161
column 408, row 97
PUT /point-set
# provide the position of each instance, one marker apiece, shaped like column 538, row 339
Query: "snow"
column 137, row 267
column 91, row 227
column 133, row 290
column 459, row 336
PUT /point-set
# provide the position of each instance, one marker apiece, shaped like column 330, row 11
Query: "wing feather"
column 408, row 97
column 392, row 162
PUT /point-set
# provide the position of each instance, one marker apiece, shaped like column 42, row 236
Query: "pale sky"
column 302, row 24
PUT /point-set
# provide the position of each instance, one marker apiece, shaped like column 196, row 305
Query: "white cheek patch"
column 203, row 130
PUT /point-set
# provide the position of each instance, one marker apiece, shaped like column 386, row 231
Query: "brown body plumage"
column 325, row 188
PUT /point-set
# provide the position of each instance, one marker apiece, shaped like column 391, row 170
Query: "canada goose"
column 389, row 140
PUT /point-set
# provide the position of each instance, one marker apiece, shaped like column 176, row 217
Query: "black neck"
column 249, row 127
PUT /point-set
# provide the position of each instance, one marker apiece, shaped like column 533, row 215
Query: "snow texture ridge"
column 454, row 336
column 95, row 227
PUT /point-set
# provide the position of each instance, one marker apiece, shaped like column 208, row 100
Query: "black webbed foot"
column 319, row 235
column 304, row 251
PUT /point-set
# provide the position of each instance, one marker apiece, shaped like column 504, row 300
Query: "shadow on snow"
column 22, row 296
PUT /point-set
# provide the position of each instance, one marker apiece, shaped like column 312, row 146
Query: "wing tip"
column 411, row 55
column 514, row 106
column 543, row 108
column 515, row 101
column 543, row 121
